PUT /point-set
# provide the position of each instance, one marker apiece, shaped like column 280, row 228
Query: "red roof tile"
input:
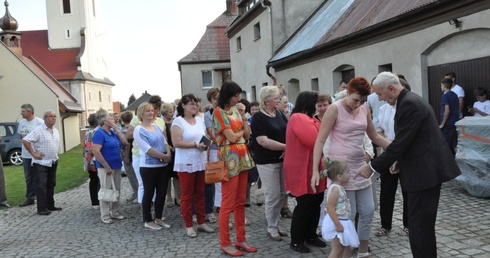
column 60, row 62
column 214, row 45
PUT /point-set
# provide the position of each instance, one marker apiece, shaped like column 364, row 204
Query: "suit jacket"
column 423, row 156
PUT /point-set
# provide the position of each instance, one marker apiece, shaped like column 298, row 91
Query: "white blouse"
column 190, row 159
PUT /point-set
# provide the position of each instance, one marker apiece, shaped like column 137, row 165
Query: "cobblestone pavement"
column 463, row 230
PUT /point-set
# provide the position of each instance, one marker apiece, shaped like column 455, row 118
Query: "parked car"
column 10, row 145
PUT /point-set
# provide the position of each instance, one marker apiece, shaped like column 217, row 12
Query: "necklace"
column 268, row 114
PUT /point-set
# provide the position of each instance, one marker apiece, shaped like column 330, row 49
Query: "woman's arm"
column 329, row 119
column 373, row 135
column 176, row 133
column 98, row 155
column 270, row 144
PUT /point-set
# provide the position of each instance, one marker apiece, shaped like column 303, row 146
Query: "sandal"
column 366, row 254
column 190, row 232
column 211, row 218
column 382, row 232
column 286, row 213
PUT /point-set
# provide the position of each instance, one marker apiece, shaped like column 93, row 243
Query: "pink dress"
column 346, row 143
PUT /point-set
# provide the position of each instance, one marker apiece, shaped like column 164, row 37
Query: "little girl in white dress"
column 336, row 226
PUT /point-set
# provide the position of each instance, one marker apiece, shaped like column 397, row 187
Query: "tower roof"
column 8, row 23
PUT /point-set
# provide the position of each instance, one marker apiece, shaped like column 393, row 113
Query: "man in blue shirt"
column 449, row 114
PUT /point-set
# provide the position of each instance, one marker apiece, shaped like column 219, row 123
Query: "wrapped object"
column 473, row 156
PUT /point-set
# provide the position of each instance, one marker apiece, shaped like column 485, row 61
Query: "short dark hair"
column 183, row 101
column 306, row 103
column 156, row 101
column 92, row 120
column 451, row 74
column 28, row 107
column 126, row 117
column 246, row 103
column 228, row 91
column 480, row 91
column 212, row 92
column 405, row 83
column 447, row 83
column 254, row 104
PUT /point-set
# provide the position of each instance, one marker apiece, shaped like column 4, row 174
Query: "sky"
column 168, row 29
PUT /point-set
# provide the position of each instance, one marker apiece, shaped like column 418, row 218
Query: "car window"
column 3, row 131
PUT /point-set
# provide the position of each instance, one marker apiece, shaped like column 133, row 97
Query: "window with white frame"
column 207, row 79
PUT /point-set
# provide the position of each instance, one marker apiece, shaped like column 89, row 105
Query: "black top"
column 272, row 127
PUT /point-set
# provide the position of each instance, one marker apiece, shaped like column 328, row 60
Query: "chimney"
column 231, row 7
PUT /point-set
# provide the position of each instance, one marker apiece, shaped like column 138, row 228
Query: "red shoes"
column 249, row 249
column 237, row 253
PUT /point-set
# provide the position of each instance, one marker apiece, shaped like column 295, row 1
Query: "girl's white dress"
column 342, row 208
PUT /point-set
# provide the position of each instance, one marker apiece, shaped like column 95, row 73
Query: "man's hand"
column 365, row 172
column 394, row 168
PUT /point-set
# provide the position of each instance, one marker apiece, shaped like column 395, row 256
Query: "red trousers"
column 192, row 185
column 233, row 199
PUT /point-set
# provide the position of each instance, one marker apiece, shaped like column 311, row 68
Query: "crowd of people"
column 317, row 151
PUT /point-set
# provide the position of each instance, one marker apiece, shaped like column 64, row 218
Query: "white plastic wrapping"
column 473, row 155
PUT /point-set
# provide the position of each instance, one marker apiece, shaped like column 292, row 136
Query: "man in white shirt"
column 458, row 90
column 26, row 125
column 43, row 143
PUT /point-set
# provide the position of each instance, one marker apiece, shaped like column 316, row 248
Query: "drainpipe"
column 267, row 4
column 63, row 128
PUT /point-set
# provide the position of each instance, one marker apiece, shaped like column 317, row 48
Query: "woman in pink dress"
column 346, row 121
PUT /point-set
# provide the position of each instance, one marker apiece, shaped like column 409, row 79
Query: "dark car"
column 10, row 145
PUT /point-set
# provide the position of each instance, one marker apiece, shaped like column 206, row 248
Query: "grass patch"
column 69, row 175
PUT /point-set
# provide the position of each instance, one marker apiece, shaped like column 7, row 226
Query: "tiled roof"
column 64, row 97
column 214, row 45
column 60, row 62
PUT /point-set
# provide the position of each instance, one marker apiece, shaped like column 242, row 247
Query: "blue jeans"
column 30, row 191
column 45, row 181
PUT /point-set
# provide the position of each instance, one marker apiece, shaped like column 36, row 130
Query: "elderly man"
column 26, row 125
column 43, row 143
column 423, row 158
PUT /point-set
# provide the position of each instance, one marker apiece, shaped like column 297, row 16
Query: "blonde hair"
column 267, row 93
column 142, row 108
column 166, row 107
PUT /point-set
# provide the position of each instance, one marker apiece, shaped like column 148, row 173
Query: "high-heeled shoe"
column 286, row 213
column 249, row 249
column 235, row 254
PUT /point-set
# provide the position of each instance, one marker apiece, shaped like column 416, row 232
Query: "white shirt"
column 460, row 92
column 190, row 159
column 482, row 106
column 46, row 142
column 386, row 123
column 25, row 127
column 374, row 103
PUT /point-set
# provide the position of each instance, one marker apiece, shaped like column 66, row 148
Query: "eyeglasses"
column 191, row 104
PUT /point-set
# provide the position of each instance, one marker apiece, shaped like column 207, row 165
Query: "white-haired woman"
column 269, row 142
column 107, row 144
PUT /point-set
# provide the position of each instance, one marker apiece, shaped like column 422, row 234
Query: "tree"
column 122, row 107
column 132, row 99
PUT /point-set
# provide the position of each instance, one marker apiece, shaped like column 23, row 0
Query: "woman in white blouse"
column 153, row 163
column 190, row 161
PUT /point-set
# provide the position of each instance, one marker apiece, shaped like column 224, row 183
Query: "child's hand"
column 339, row 228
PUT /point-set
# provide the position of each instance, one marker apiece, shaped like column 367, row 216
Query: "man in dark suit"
column 423, row 158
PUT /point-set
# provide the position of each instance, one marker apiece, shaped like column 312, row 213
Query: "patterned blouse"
column 342, row 206
column 237, row 154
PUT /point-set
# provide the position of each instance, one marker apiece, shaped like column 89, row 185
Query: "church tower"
column 73, row 24
column 9, row 34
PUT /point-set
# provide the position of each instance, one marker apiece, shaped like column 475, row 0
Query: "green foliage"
column 69, row 174
column 132, row 99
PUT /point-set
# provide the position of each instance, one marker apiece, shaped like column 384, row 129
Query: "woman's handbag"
column 108, row 195
column 216, row 171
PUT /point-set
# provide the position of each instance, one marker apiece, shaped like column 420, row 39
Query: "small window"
column 385, row 68
column 100, row 96
column 66, row 6
column 207, row 79
column 238, row 43
column 257, row 31
column 314, row 85
column 67, row 34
